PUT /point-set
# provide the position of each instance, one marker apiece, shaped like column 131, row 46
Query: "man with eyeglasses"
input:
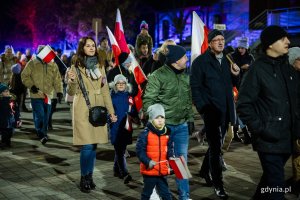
column 211, row 81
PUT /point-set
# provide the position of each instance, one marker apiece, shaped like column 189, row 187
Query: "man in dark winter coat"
column 212, row 79
column 266, row 104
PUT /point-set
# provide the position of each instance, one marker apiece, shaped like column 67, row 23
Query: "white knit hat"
column 119, row 78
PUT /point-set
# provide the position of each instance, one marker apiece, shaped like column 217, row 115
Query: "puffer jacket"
column 44, row 76
column 154, row 144
column 267, row 104
column 173, row 92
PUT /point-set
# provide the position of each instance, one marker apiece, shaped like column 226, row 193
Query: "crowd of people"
column 257, row 97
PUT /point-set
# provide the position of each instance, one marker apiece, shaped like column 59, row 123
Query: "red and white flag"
column 114, row 45
column 119, row 33
column 134, row 67
column 199, row 37
column 47, row 54
column 139, row 78
column 47, row 100
column 180, row 167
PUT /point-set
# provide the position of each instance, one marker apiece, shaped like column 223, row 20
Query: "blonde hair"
column 163, row 49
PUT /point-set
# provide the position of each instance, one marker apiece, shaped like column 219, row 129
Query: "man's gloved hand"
column 151, row 164
column 191, row 127
column 34, row 89
column 59, row 97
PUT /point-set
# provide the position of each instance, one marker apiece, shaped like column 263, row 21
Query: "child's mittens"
column 151, row 164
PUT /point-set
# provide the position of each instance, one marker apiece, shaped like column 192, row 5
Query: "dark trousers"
column 161, row 185
column 120, row 160
column 53, row 109
column 215, row 134
column 273, row 176
column 6, row 134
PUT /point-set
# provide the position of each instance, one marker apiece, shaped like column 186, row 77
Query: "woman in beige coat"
column 84, row 133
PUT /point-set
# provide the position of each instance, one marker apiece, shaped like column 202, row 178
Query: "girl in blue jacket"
column 121, row 131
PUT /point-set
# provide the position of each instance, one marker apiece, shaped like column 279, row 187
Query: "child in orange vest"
column 153, row 149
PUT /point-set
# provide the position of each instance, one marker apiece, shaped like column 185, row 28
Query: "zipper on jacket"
column 159, row 157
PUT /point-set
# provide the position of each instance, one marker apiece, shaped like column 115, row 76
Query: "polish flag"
column 119, row 33
column 180, row 167
column 47, row 54
column 199, row 37
column 135, row 67
column 115, row 47
column 47, row 100
column 139, row 78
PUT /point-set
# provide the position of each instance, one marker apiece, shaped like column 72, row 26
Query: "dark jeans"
column 273, row 176
column 40, row 111
column 6, row 134
column 87, row 159
column 120, row 160
column 161, row 185
column 53, row 109
column 215, row 134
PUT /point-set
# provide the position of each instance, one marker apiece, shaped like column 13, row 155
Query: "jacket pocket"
column 273, row 126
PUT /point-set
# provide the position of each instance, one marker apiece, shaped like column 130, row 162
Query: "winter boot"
column 84, row 184
column 127, row 178
column 247, row 138
column 236, row 137
column 91, row 182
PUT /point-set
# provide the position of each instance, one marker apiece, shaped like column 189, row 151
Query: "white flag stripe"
column 119, row 19
column 197, row 36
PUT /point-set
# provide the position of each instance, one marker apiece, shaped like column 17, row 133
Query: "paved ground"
column 30, row 170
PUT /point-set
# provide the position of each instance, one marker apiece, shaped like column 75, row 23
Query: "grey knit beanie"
column 155, row 110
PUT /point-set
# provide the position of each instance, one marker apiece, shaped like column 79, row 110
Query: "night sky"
column 7, row 23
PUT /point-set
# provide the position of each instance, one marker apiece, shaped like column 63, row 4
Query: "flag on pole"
column 139, row 75
column 115, row 47
column 47, row 100
column 134, row 67
column 178, row 164
column 199, row 37
column 139, row 78
column 46, row 54
column 119, row 33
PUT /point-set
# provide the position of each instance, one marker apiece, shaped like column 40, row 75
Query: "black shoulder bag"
column 97, row 114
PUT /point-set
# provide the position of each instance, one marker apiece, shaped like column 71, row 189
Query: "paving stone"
column 34, row 171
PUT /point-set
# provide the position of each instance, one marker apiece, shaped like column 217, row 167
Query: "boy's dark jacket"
column 9, row 112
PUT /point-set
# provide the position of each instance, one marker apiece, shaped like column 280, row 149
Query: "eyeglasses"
column 218, row 40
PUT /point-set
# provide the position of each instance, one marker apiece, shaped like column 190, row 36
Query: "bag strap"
column 82, row 87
